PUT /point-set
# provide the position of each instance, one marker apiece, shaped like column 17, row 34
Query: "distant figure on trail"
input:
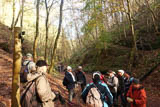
column 69, row 81
column 113, row 86
column 80, row 77
column 97, row 93
column 121, row 87
column 136, row 95
column 27, row 65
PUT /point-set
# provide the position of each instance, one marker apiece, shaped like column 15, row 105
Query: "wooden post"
column 17, row 56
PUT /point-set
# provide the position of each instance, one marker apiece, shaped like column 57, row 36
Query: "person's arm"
column 85, row 92
column 141, row 99
column 108, row 94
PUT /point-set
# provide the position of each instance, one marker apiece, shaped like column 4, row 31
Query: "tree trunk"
column 13, row 18
column 134, row 49
column 16, row 21
column 153, row 16
column 17, row 56
column 46, row 44
column 37, row 32
column 57, row 37
column 22, row 14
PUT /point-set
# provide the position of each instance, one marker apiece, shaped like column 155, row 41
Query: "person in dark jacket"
column 127, row 82
column 70, row 82
column 80, row 77
column 102, row 87
column 136, row 95
column 121, row 87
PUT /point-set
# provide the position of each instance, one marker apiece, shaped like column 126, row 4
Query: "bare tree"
column 57, row 37
column 37, row 32
column 13, row 17
column 48, row 9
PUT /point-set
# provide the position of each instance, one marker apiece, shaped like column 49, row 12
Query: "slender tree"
column 37, row 32
column 13, row 17
column 57, row 37
column 134, row 49
column 48, row 9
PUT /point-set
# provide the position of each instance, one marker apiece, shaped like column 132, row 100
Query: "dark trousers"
column 123, row 99
column 115, row 100
column 82, row 87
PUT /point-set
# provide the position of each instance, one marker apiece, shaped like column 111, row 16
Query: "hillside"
column 152, row 83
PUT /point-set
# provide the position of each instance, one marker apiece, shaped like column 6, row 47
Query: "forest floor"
column 153, row 94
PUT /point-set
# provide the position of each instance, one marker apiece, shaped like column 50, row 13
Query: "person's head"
column 127, row 74
column 80, row 68
column 69, row 69
column 136, row 83
column 120, row 72
column 96, row 77
column 29, row 56
column 41, row 66
column 111, row 73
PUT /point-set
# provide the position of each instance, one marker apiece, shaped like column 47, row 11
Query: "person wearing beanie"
column 70, row 85
column 102, row 89
column 121, row 87
column 44, row 91
column 136, row 95
column 80, row 77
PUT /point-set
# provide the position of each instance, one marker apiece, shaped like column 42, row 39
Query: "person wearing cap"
column 70, row 83
column 102, row 87
column 113, row 85
column 26, row 68
column 121, row 87
column 80, row 77
column 43, row 88
column 28, row 61
column 136, row 95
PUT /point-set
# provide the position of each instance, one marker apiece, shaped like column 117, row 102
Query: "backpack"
column 29, row 96
column 23, row 73
column 65, row 81
column 94, row 98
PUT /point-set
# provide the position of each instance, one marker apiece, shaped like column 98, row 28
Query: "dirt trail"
column 153, row 92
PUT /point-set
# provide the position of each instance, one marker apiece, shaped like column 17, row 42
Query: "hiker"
column 127, row 82
column 38, row 88
column 80, row 77
column 97, row 94
column 44, row 91
column 113, row 86
column 28, row 59
column 69, row 81
column 26, row 67
column 121, row 87
column 136, row 95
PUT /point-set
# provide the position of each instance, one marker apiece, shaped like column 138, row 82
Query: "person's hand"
column 130, row 100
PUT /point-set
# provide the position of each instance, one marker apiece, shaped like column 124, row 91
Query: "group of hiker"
column 102, row 91
column 105, row 90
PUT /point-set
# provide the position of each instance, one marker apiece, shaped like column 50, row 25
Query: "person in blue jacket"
column 107, row 97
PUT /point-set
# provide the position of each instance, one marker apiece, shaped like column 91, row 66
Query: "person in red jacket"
column 136, row 95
